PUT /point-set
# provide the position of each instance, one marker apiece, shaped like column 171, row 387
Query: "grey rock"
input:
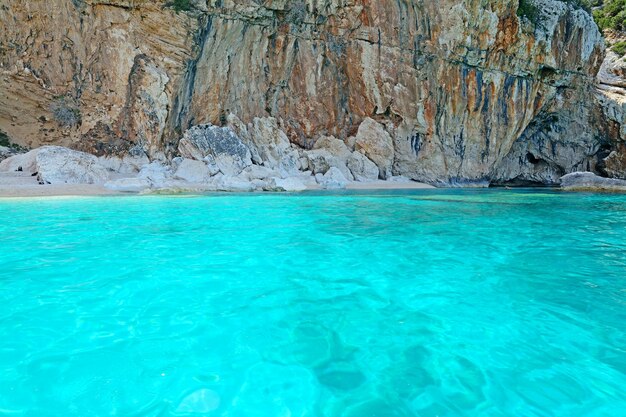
column 333, row 179
column 256, row 172
column 362, row 168
column 59, row 165
column 333, row 145
column 321, row 160
column 292, row 184
column 228, row 151
column 192, row 170
column 273, row 146
column 26, row 162
column 155, row 172
column 373, row 141
column 589, row 181
column 233, row 184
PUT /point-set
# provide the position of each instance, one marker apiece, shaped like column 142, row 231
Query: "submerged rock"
column 590, row 181
column 201, row 401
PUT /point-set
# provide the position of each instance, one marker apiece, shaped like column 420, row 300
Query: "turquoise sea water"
column 423, row 303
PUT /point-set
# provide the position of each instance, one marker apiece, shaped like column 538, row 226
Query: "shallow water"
column 421, row 303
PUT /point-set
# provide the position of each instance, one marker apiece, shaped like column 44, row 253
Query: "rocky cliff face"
column 465, row 92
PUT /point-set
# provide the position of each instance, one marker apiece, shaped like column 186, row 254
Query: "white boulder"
column 273, row 146
column 23, row 162
column 373, row 141
column 362, row 168
column 192, row 170
column 219, row 144
column 333, row 179
column 59, row 165
column 581, row 181
column 291, row 184
column 155, row 172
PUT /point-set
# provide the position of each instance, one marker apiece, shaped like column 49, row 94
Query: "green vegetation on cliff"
column 530, row 10
column 180, row 5
column 611, row 14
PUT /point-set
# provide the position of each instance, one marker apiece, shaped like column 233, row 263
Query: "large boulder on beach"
column 583, row 181
column 373, row 141
column 58, row 165
column 291, row 184
column 273, row 146
column 192, row 170
column 333, row 179
column 26, row 162
column 319, row 161
column 216, row 145
column 362, row 168
column 155, row 172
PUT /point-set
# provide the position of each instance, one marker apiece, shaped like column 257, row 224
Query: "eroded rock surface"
column 449, row 92
column 58, row 165
column 588, row 181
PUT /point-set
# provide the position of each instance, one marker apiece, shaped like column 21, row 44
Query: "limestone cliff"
column 468, row 91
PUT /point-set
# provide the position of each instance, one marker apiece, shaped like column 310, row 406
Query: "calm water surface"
column 423, row 303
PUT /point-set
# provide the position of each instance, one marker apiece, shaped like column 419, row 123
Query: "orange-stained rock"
column 466, row 90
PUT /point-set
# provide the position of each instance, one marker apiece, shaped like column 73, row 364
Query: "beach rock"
column 128, row 164
column 193, row 171
column 220, row 144
column 334, row 146
column 155, row 172
column 590, row 181
column 373, row 141
column 333, row 179
column 7, row 152
column 319, row 161
column 27, row 162
column 273, row 146
column 58, row 165
column 256, row 172
column 233, row 184
column 291, row 184
column 362, row 168
column 129, row 185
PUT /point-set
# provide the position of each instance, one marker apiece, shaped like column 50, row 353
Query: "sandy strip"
column 17, row 184
column 389, row 185
column 23, row 185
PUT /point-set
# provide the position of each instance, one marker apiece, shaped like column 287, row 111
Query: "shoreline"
column 18, row 185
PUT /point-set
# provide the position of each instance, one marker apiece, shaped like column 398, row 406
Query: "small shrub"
column 4, row 139
column 611, row 14
column 180, row 5
column 528, row 9
column 65, row 111
column 619, row 48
